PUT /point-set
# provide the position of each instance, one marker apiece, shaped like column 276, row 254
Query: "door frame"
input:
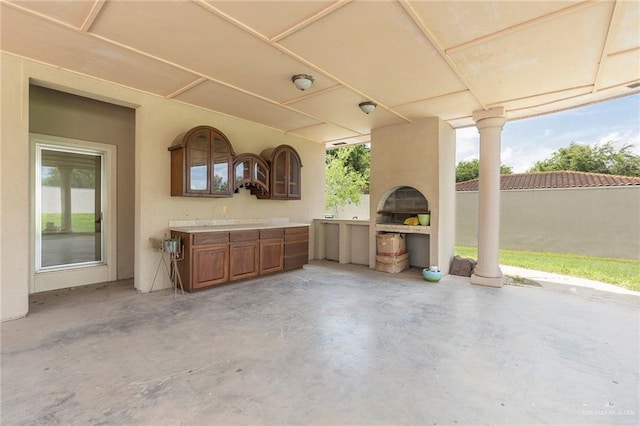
column 82, row 274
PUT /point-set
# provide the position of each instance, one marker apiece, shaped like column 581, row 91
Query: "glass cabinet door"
column 243, row 170
column 198, row 162
column 221, row 159
column 280, row 175
column 285, row 173
column 251, row 172
column 294, row 177
column 261, row 174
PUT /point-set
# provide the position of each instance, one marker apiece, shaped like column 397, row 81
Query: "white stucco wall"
column 158, row 121
column 447, row 194
column 14, row 192
column 601, row 222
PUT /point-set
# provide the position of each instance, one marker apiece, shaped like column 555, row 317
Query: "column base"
column 486, row 281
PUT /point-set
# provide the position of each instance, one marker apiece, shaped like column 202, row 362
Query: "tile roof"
column 549, row 180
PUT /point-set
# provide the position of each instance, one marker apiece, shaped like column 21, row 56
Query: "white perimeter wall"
column 82, row 200
column 601, row 222
column 158, row 122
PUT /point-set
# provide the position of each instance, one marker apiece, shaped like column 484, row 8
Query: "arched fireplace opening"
column 400, row 203
column 394, row 208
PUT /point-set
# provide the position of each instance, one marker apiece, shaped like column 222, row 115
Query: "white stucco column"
column 65, row 199
column 489, row 125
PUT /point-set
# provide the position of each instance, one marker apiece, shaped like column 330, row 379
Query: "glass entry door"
column 73, row 230
column 70, row 209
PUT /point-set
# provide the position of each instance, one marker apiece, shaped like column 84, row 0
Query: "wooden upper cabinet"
column 285, row 181
column 252, row 172
column 202, row 164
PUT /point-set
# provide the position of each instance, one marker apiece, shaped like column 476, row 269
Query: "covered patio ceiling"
column 415, row 59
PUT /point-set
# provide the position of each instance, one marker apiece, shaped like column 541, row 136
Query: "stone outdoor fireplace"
column 413, row 172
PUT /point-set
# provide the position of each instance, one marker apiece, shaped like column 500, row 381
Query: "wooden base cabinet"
column 215, row 258
column 244, row 256
column 271, row 250
column 206, row 259
column 296, row 247
column 210, row 265
column 271, row 255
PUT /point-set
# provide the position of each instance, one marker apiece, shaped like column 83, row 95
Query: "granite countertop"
column 234, row 227
column 344, row 220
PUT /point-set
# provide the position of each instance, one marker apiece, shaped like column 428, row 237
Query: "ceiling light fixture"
column 367, row 107
column 302, row 81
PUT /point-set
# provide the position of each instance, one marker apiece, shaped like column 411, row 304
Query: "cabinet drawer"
column 210, row 238
column 297, row 230
column 295, row 249
column 237, row 236
column 293, row 238
column 266, row 234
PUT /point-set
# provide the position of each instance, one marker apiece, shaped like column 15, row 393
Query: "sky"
column 533, row 139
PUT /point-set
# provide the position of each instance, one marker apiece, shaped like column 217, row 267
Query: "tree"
column 468, row 170
column 357, row 158
column 343, row 183
column 80, row 178
column 593, row 159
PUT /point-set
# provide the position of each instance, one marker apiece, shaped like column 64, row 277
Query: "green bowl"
column 424, row 219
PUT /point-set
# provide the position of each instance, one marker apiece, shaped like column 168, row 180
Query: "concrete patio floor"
column 331, row 344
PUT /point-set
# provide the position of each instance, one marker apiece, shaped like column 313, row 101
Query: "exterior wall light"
column 367, row 107
column 302, row 81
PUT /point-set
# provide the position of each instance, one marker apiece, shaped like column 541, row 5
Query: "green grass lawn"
column 621, row 272
column 80, row 222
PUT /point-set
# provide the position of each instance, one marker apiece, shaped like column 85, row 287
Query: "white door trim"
column 82, row 274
